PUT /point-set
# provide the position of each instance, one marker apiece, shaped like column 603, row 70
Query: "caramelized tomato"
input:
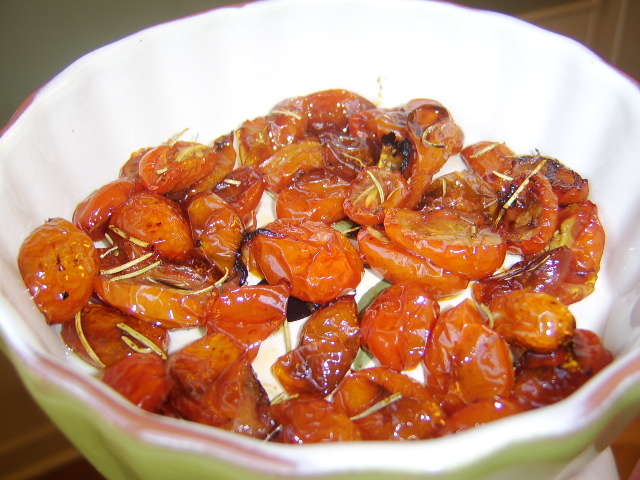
column 319, row 263
column 58, row 263
column 395, row 327
column 451, row 240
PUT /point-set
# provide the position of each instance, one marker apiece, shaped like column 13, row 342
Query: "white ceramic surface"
column 501, row 78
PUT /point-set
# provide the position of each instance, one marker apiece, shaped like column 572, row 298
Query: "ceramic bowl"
column 501, row 78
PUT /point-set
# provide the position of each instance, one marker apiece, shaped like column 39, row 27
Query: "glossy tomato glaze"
column 442, row 334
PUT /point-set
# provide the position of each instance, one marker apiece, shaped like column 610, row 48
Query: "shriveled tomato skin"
column 58, row 263
column 267, row 305
column 235, row 401
column 142, row 379
column 195, row 366
column 466, row 361
column 398, row 265
column 317, row 261
column 317, row 196
column 414, row 414
column 448, row 239
column 92, row 215
column 157, row 220
column 99, row 325
column 329, row 344
column 310, row 419
column 216, row 229
column 154, row 298
column 372, row 193
column 395, row 327
column 174, row 166
column 532, row 320
column 478, row 413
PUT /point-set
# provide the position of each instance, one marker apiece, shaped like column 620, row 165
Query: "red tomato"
column 396, row 325
column 142, row 379
column 58, row 263
column 318, row 262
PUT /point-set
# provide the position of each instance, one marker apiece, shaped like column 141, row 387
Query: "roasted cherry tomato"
column 327, row 110
column 466, row 361
column 309, row 419
column 242, row 189
column 267, row 304
column 169, row 295
column 465, row 192
column 372, row 193
column 478, row 413
column 317, row 196
column 449, row 239
column 195, row 366
column 176, row 165
column 58, row 263
column 235, row 401
column 289, row 162
column 93, row 214
column 395, row 327
column 329, row 343
column 544, row 272
column 216, row 229
column 142, row 379
column 103, row 335
column 529, row 213
column 158, row 221
column 387, row 405
column 261, row 137
column 319, row 263
column 223, row 158
column 346, row 155
column 397, row 264
column 532, row 320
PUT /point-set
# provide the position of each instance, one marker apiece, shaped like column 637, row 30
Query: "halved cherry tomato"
column 111, row 335
column 450, row 240
column 216, row 229
column 372, row 192
column 318, row 262
column 529, row 214
column 267, row 304
column 92, row 215
column 234, row 401
column 327, row 110
column 169, row 295
column 142, row 379
column 478, row 413
column 289, row 162
column 329, row 343
column 261, row 137
column 387, row 405
column 157, row 220
column 309, row 419
column 317, row 196
column 465, row 192
column 532, row 320
column 395, row 327
column 400, row 265
column 58, row 263
column 176, row 165
column 346, row 155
